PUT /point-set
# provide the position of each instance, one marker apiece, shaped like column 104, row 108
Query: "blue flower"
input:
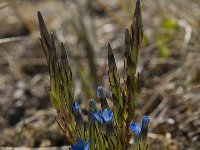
column 106, row 116
column 76, row 108
column 77, row 113
column 100, row 92
column 80, row 145
column 136, row 129
column 145, row 122
column 102, row 97
column 139, row 129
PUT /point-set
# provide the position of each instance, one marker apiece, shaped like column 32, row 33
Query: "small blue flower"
column 106, row 116
column 138, row 129
column 102, row 97
column 76, row 108
column 100, row 92
column 145, row 122
column 80, row 145
column 77, row 113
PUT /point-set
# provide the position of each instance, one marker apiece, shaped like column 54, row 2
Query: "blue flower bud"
column 145, row 122
column 102, row 97
column 77, row 113
column 76, row 108
column 100, row 92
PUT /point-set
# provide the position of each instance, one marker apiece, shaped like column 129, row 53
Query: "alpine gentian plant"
column 110, row 126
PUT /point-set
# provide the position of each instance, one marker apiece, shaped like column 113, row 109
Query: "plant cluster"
column 107, row 127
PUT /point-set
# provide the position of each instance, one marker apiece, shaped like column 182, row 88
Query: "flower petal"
column 136, row 129
column 106, row 115
column 98, row 112
column 102, row 118
column 111, row 115
column 74, row 147
column 96, row 117
column 80, row 143
column 87, row 145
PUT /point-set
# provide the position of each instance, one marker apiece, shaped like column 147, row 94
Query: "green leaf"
column 132, row 43
column 54, row 69
column 133, row 40
column 61, row 85
column 45, row 38
column 114, row 84
column 66, row 76
column 92, row 135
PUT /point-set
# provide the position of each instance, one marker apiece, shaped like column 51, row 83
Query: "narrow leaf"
column 132, row 44
column 45, row 38
column 66, row 75
column 114, row 83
